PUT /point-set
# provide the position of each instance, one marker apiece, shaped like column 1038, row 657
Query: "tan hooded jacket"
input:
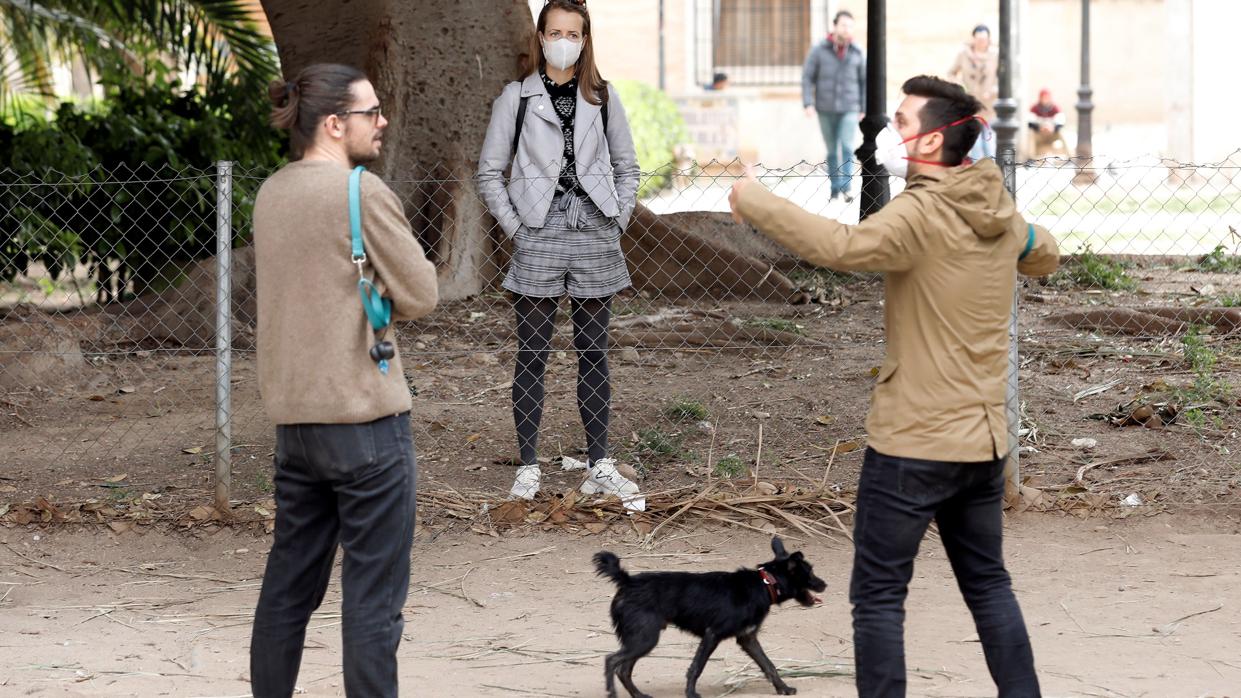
column 949, row 247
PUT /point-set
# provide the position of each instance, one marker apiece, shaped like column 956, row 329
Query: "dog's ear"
column 795, row 560
column 777, row 547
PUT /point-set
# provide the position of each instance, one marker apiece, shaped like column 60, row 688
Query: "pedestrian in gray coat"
column 833, row 86
column 570, row 194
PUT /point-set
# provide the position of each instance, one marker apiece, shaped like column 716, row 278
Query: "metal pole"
column 223, row 333
column 875, row 192
column 662, row 65
column 1006, row 141
column 1085, row 148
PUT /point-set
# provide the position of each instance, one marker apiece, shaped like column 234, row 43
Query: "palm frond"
column 216, row 39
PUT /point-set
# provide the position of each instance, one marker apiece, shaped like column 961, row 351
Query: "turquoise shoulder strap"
column 1029, row 242
column 378, row 309
column 355, row 212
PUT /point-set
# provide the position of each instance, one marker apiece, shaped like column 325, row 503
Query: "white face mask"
column 891, row 152
column 562, row 53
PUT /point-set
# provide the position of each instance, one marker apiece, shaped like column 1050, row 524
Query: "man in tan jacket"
column 950, row 247
column 345, row 467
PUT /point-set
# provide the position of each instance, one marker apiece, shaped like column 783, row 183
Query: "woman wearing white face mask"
column 572, row 189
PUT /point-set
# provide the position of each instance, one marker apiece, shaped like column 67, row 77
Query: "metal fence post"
column 223, row 334
column 1006, row 127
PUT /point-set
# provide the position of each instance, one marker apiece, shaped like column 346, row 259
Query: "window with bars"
column 755, row 42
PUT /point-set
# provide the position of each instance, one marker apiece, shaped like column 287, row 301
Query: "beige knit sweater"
column 313, row 336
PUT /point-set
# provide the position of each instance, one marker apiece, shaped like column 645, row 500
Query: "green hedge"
column 64, row 195
column 657, row 129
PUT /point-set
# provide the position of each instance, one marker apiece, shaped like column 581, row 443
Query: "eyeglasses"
column 374, row 112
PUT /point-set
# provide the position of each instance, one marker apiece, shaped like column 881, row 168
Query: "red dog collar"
column 773, row 587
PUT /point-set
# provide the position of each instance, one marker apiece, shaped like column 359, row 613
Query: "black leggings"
column 536, row 319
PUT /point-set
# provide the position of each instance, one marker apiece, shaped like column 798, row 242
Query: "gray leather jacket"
column 606, row 164
column 830, row 84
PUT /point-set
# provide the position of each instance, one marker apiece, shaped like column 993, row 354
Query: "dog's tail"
column 608, row 565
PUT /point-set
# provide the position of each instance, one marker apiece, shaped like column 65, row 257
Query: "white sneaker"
column 527, row 483
column 571, row 463
column 604, row 479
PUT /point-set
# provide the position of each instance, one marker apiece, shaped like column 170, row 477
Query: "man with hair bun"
column 344, row 466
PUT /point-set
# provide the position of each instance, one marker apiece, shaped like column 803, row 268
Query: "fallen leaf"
column 127, row 390
column 120, row 526
column 436, row 426
column 874, row 372
column 150, row 496
column 846, row 447
column 4, row 509
column 509, row 512
column 477, row 467
column 116, row 478
column 202, row 513
column 193, row 451
column 643, row 528
column 824, row 419
column 472, row 438
column 762, row 415
column 96, row 398
column 8, row 488
column 49, row 510
column 596, row 527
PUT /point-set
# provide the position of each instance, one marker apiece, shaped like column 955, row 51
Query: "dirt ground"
column 115, row 580
column 131, row 427
column 1145, row 607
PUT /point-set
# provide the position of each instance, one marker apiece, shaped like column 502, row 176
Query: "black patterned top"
column 564, row 101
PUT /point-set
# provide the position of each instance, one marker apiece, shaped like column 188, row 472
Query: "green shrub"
column 1218, row 261
column 657, row 129
column 684, row 409
column 1202, row 359
column 655, row 443
column 1089, row 269
column 729, row 466
column 120, row 184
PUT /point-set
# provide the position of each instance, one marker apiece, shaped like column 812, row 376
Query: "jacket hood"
column 976, row 192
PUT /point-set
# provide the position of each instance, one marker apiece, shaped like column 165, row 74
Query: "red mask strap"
column 958, row 122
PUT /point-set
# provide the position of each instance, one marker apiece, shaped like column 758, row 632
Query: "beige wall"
column 1131, row 58
column 626, row 36
column 1212, row 128
column 1129, row 51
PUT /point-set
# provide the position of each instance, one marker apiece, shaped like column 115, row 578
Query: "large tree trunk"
column 437, row 66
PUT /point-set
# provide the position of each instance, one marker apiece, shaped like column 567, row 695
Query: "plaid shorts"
column 576, row 251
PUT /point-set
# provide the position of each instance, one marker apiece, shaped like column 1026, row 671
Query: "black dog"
column 714, row 606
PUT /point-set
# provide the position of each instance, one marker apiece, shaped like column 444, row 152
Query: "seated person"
column 1046, row 124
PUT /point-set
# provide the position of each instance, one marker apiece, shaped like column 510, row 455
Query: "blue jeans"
column 897, row 499
column 351, row 484
column 838, row 133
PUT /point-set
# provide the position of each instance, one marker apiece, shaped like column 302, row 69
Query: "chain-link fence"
column 1129, row 365
column 726, row 357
